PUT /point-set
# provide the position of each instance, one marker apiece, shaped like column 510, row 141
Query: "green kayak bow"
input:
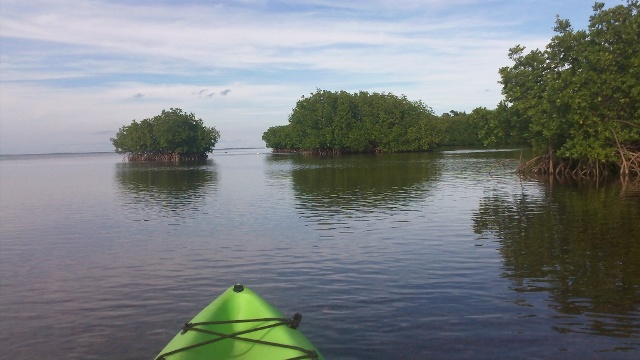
column 239, row 324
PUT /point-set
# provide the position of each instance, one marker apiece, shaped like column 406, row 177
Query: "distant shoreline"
column 443, row 149
column 84, row 153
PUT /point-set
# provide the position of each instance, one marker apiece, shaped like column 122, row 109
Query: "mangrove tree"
column 339, row 122
column 578, row 100
column 173, row 135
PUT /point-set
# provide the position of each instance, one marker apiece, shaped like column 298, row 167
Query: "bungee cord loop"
column 292, row 323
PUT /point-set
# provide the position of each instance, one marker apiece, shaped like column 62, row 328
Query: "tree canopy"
column 172, row 135
column 340, row 122
column 578, row 100
column 459, row 129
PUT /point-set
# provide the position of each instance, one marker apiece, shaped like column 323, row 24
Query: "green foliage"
column 580, row 97
column 490, row 131
column 502, row 126
column 173, row 133
column 340, row 122
column 459, row 129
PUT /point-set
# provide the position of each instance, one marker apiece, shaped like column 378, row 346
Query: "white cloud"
column 74, row 70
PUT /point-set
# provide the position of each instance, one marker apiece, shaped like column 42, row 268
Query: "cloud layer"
column 72, row 72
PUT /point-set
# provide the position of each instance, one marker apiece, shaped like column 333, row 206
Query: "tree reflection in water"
column 166, row 190
column 360, row 187
column 579, row 244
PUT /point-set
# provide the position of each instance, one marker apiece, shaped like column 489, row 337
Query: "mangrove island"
column 332, row 123
column 576, row 103
column 173, row 135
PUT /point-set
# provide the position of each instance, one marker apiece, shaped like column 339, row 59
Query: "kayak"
column 239, row 324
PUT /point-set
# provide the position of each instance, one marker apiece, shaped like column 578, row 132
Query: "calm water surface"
column 412, row 256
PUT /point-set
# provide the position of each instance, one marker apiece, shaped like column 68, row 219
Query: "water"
column 413, row 256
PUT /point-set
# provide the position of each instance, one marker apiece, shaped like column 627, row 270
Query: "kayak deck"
column 240, row 325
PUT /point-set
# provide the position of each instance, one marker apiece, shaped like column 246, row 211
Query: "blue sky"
column 73, row 72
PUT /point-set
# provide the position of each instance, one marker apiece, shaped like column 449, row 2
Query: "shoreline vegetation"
column 336, row 123
column 576, row 103
column 578, row 100
column 166, row 157
column 173, row 135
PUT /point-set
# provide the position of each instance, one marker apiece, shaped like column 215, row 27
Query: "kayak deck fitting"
column 240, row 324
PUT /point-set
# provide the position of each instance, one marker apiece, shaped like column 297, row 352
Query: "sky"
column 73, row 72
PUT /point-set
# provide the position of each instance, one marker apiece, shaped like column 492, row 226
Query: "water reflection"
column 334, row 191
column 578, row 244
column 176, row 191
